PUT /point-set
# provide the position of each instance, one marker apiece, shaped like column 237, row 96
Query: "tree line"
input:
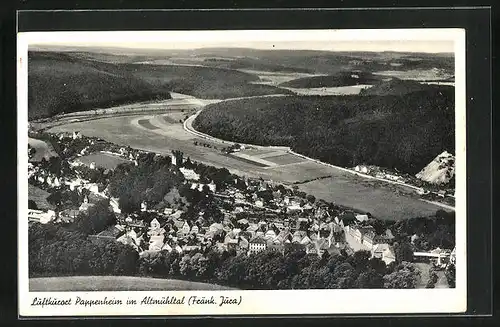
column 57, row 251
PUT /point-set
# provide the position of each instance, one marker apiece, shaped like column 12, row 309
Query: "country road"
column 161, row 131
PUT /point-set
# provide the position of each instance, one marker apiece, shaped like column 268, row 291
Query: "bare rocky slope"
column 440, row 170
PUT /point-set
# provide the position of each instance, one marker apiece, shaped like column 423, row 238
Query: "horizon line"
column 34, row 46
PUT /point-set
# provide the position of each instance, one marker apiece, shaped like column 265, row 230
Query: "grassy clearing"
column 284, row 159
column 146, row 123
column 116, row 283
column 104, row 160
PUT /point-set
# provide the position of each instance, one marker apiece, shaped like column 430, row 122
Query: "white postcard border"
column 351, row 301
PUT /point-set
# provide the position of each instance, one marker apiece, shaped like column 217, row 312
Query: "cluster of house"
column 364, row 237
column 307, row 226
column 379, row 173
column 168, row 232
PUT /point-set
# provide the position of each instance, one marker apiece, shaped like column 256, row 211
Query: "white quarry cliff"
column 440, row 170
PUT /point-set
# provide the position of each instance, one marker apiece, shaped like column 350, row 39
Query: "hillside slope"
column 405, row 133
column 399, row 87
column 58, row 83
column 440, row 170
column 67, row 82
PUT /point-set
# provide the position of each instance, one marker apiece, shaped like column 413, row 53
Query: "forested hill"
column 405, row 133
column 67, row 82
column 400, row 87
column 335, row 80
column 59, row 83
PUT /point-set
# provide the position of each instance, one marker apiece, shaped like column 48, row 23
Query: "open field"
column 284, row 159
column 382, row 201
column 40, row 197
column 433, row 74
column 337, row 90
column 43, row 150
column 116, row 283
column 145, row 123
column 340, row 187
column 104, row 160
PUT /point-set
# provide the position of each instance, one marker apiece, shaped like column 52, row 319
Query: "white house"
column 41, row 216
column 361, row 218
column 270, row 234
column 212, row 186
column 156, row 242
column 155, row 224
column 256, row 245
column 113, row 202
column 384, row 252
column 189, row 174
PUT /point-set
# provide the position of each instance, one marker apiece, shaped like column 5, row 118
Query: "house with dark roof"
column 386, row 237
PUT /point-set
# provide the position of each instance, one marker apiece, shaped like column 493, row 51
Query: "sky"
column 417, row 40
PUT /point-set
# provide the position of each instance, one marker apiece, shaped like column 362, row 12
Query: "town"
column 203, row 208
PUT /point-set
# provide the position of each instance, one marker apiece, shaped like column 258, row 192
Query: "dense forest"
column 66, row 82
column 58, row 83
column 400, row 87
column 404, row 133
column 58, row 251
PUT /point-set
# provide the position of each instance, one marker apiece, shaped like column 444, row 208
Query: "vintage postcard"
column 254, row 172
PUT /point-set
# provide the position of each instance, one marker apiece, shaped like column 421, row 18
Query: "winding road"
column 157, row 128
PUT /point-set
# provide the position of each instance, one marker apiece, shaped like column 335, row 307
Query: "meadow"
column 116, row 283
column 103, row 160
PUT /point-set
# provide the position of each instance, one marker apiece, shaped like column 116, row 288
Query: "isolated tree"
column 450, row 274
column 311, row 198
column 403, row 251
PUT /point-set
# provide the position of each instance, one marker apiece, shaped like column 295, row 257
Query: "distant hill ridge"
column 396, row 86
column 68, row 82
column 334, row 80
